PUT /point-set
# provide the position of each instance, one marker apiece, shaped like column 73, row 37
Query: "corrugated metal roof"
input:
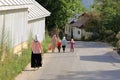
column 1, row 3
column 37, row 11
column 15, row 2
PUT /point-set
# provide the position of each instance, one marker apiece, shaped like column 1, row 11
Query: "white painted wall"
column 37, row 27
column 76, row 33
column 16, row 24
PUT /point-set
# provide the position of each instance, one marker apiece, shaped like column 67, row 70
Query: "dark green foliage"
column 60, row 10
column 106, row 24
column 110, row 14
column 118, row 42
column 46, row 42
column 95, row 36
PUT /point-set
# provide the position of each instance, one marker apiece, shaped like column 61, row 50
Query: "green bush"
column 95, row 36
column 118, row 42
column 108, row 32
column 108, row 36
column 46, row 42
column 118, row 36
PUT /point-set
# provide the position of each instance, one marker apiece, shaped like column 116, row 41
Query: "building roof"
column 74, row 18
column 14, row 2
column 81, row 21
column 35, row 9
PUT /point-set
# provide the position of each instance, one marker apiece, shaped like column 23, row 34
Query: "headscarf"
column 64, row 38
column 64, row 41
column 36, row 37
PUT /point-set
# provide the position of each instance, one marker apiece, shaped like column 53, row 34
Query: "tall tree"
column 61, row 10
column 110, row 14
column 106, row 22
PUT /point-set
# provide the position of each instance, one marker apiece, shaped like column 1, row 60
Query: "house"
column 75, row 28
column 20, row 17
column 36, row 19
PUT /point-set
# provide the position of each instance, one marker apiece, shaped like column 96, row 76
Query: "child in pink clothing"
column 72, row 42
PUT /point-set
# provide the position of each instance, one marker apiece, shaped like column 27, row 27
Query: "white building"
column 36, row 19
column 18, row 18
column 75, row 29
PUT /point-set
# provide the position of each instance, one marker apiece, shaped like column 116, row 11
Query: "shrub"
column 95, row 36
column 118, row 35
column 46, row 42
column 108, row 32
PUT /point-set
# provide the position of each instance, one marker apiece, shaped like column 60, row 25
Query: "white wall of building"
column 37, row 27
column 22, row 17
column 76, row 33
column 16, row 24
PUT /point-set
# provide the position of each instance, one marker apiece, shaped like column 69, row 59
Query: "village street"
column 90, row 61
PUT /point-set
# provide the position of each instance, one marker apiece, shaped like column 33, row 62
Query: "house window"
column 78, row 32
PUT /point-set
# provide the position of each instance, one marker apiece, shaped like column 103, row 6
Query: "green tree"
column 110, row 14
column 60, row 10
column 106, row 24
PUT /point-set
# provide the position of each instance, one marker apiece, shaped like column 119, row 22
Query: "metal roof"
column 80, row 22
column 37, row 11
column 15, row 2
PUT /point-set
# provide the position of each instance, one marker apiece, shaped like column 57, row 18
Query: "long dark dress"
column 36, row 60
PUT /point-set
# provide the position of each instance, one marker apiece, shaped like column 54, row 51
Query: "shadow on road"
column 89, row 75
column 100, row 58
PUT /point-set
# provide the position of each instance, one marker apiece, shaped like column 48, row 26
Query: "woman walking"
column 36, row 56
column 54, row 42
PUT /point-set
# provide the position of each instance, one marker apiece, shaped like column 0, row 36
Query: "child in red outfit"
column 59, row 45
column 72, row 42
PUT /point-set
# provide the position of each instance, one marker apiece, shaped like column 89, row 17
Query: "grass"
column 14, row 64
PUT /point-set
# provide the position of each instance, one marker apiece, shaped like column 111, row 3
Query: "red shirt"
column 59, row 44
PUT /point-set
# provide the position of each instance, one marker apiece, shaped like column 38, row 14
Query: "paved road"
column 90, row 61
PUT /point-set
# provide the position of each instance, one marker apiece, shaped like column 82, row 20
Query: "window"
column 78, row 32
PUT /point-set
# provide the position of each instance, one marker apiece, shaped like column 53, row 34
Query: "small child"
column 72, row 42
column 59, row 45
column 64, row 43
